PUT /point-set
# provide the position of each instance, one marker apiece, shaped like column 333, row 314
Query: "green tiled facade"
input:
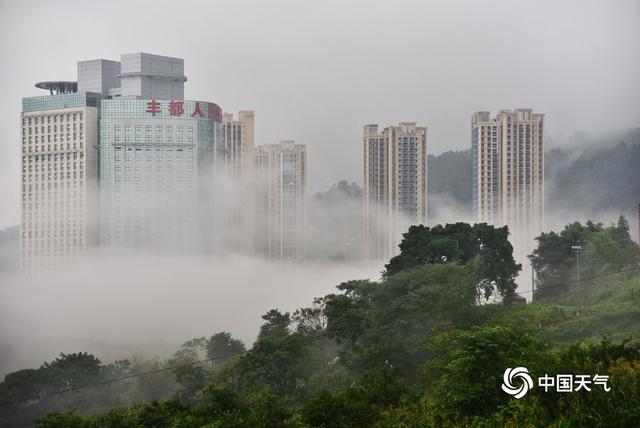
column 157, row 165
column 60, row 101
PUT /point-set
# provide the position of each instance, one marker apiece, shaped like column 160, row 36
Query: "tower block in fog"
column 508, row 173
column 160, row 157
column 239, row 144
column 59, row 176
column 239, row 160
column 395, row 186
column 158, row 174
column 281, row 174
column 118, row 158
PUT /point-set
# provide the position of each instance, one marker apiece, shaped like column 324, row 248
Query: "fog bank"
column 147, row 305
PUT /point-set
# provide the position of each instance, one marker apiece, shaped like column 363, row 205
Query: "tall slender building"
column 239, row 144
column 485, row 152
column 59, row 176
column 395, row 185
column 239, row 160
column 508, row 173
column 281, row 173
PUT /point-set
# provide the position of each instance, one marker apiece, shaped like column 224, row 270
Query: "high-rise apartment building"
column 485, row 151
column 239, row 144
column 239, row 160
column 59, row 176
column 280, row 208
column 395, row 185
column 508, row 173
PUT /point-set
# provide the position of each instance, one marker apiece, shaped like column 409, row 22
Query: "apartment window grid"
column 53, row 185
column 512, row 167
column 407, row 176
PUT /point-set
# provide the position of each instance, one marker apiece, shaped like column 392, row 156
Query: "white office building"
column 59, row 176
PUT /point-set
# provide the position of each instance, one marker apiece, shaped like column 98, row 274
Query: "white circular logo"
column 518, row 373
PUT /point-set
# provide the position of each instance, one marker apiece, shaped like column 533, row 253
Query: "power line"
column 118, row 379
column 559, row 284
column 590, row 259
column 132, row 376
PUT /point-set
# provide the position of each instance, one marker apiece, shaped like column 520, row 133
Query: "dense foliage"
column 416, row 349
column 482, row 246
column 602, row 250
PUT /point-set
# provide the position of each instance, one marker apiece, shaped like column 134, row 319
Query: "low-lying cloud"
column 132, row 304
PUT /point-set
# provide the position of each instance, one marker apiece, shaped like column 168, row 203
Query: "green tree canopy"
column 604, row 250
column 486, row 247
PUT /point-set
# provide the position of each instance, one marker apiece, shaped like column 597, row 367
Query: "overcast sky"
column 317, row 71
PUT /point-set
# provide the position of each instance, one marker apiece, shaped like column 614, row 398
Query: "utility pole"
column 533, row 286
column 576, row 249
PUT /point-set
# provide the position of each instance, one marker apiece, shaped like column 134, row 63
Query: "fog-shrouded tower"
column 59, row 176
column 159, row 166
column 118, row 158
column 239, row 143
column 281, row 175
column 161, row 156
column 508, row 174
column 395, row 186
column 239, row 160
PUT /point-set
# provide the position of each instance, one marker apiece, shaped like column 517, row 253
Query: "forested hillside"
column 421, row 347
column 597, row 176
column 600, row 178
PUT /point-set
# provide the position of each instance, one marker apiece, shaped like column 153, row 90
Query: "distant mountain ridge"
column 595, row 177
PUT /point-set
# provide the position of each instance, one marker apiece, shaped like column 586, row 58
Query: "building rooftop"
column 59, row 86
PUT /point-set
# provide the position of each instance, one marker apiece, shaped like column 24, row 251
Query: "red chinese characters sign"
column 215, row 112
column 153, row 107
column 176, row 109
column 197, row 111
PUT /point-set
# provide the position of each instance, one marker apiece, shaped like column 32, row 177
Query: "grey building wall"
column 98, row 75
column 148, row 76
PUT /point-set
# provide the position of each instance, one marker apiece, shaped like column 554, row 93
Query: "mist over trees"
column 597, row 175
column 333, row 230
column 402, row 350
column 597, row 178
column 414, row 349
column 603, row 249
column 449, row 185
